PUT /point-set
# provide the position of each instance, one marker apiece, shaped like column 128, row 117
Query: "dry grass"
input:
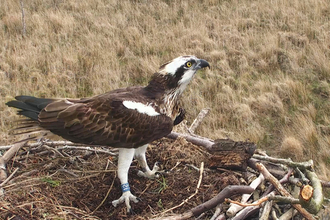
column 270, row 73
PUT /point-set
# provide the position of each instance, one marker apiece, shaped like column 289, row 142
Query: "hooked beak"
column 202, row 64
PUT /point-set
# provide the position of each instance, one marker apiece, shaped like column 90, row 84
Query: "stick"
column 269, row 197
column 9, row 177
column 217, row 212
column 302, row 165
column 288, row 214
column 87, row 149
column 106, row 196
column 204, row 142
column 7, row 156
column 314, row 203
column 220, row 198
column 234, row 208
column 266, row 210
column 268, row 176
column 202, row 114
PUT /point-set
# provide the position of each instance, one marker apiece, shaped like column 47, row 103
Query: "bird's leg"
column 140, row 155
column 124, row 161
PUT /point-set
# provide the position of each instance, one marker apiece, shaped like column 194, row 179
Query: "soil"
column 74, row 185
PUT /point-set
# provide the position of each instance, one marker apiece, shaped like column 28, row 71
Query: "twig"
column 288, row 214
column 177, row 164
column 274, row 216
column 269, row 197
column 9, row 177
column 266, row 210
column 86, row 148
column 302, row 176
column 49, row 143
column 210, row 204
column 256, row 203
column 202, row 114
column 200, row 141
column 7, row 156
column 216, row 212
column 251, row 210
column 234, row 208
column 52, row 149
column 268, row 176
column 68, row 172
column 221, row 217
column 192, row 166
column 301, row 165
column 196, row 191
column 225, row 193
column 106, row 196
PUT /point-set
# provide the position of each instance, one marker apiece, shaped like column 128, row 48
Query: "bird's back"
column 125, row 118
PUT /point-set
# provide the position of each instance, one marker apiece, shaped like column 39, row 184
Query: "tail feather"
column 29, row 106
column 39, row 103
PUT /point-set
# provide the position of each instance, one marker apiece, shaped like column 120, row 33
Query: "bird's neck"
column 165, row 98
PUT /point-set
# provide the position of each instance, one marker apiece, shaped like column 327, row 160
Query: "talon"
column 151, row 174
column 126, row 197
column 131, row 212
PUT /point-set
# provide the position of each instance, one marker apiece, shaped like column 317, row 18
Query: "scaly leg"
column 124, row 161
column 140, row 155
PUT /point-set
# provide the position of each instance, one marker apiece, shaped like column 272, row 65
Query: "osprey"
column 127, row 119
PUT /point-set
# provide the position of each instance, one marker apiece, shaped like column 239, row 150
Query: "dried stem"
column 23, row 18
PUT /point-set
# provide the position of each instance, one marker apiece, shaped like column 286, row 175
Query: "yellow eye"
column 188, row 64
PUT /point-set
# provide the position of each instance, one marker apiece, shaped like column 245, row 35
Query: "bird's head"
column 176, row 74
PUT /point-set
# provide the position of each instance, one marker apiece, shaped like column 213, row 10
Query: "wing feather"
column 103, row 120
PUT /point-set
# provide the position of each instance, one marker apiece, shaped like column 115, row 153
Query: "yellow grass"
column 270, row 59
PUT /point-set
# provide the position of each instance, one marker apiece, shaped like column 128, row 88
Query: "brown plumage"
column 124, row 118
column 100, row 120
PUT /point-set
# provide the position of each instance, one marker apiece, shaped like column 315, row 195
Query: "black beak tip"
column 204, row 64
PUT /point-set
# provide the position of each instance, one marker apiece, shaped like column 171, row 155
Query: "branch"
column 6, row 157
column 270, row 197
column 234, row 208
column 288, row 214
column 200, row 141
column 312, row 203
column 220, row 198
column 266, row 210
column 302, row 165
column 268, row 176
column 202, row 114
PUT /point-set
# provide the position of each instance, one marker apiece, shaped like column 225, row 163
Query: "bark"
column 312, row 203
column 229, row 154
column 220, row 198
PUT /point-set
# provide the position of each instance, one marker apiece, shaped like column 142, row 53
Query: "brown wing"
column 103, row 120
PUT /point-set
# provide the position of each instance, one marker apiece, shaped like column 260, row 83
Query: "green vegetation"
column 269, row 80
column 52, row 183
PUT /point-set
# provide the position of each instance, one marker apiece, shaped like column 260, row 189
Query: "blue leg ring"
column 125, row 187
